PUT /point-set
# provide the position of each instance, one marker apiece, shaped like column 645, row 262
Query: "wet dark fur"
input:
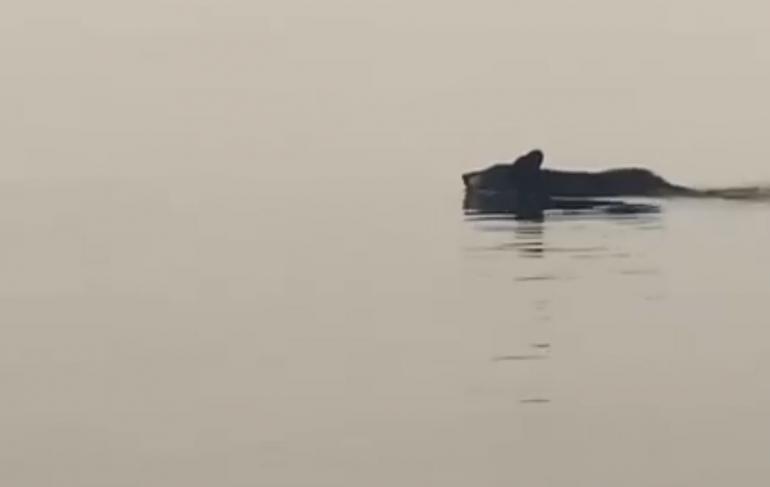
column 525, row 190
column 525, row 177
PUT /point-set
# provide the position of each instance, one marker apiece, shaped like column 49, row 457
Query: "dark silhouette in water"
column 526, row 176
column 525, row 189
column 533, row 207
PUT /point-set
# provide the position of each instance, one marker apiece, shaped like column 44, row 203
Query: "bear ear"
column 530, row 162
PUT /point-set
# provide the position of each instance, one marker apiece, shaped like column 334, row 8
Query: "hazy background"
column 295, row 91
column 233, row 251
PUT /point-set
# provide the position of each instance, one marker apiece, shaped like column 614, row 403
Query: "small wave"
column 504, row 358
column 535, row 400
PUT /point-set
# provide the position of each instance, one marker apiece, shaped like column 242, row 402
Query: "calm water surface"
column 162, row 334
column 233, row 251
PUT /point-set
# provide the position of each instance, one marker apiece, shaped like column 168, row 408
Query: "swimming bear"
column 529, row 181
column 525, row 189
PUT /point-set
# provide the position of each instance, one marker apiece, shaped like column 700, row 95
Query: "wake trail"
column 760, row 192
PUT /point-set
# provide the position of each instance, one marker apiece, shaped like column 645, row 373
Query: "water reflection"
column 548, row 244
column 507, row 204
column 527, row 223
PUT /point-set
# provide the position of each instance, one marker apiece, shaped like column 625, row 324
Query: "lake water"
column 209, row 335
column 234, row 251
